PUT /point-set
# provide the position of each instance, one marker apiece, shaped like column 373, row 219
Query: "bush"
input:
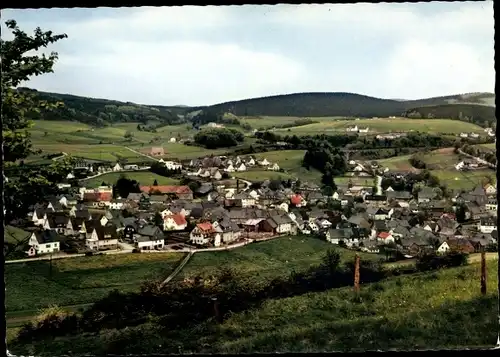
column 433, row 261
column 218, row 138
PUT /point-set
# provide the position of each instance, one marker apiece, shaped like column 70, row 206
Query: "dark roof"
column 46, row 236
column 281, row 219
column 427, row 193
column 398, row 195
column 150, row 231
column 104, row 231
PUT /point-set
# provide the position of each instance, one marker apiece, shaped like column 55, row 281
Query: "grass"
column 260, row 175
column 80, row 280
column 143, row 177
column 397, row 163
column 104, row 152
column 15, row 235
column 388, row 125
column 356, row 181
column 291, row 162
column 435, row 310
column 464, row 180
column 267, row 260
column 267, row 122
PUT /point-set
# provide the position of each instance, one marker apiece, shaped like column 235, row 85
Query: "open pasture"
column 31, row 285
column 387, row 125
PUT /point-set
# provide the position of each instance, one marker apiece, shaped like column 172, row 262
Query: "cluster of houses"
column 353, row 216
column 469, row 164
column 490, row 131
column 214, row 167
column 469, row 135
column 355, row 129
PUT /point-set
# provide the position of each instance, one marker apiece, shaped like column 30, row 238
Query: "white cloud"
column 201, row 55
column 435, row 69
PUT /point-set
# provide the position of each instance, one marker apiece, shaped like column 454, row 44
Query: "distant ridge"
column 475, row 107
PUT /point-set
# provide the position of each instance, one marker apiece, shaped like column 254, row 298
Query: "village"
column 84, row 220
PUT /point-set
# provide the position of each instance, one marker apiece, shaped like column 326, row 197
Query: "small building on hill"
column 157, row 151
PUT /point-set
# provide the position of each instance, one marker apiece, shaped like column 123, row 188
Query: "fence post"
column 356, row 273
column 483, row 273
column 216, row 309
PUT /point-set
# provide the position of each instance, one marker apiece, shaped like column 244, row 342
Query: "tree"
column 155, row 183
column 128, row 135
column 31, row 184
column 158, row 220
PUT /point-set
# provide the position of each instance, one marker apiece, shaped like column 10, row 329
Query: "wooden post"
column 216, row 309
column 483, row 273
column 356, row 273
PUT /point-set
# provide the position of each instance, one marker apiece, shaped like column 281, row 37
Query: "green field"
column 267, row 122
column 261, row 175
column 143, row 177
column 291, row 162
column 356, row 181
column 80, row 280
column 442, row 164
column 14, row 235
column 267, row 260
column 442, row 309
column 388, row 125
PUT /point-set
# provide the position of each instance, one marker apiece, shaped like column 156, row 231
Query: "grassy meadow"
column 143, row 177
column 263, row 261
column 441, row 309
column 260, row 175
column 80, row 280
column 442, row 163
column 387, row 125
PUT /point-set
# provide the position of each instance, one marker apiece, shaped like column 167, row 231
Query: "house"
column 156, row 151
column 117, row 167
column 172, row 165
column 464, row 135
column 245, row 199
column 44, row 242
column 457, row 245
column 487, row 225
column 385, row 237
column 117, row 204
column 131, row 167
column 369, row 246
column 39, row 216
column 264, row 162
column 273, row 167
column 172, row 140
column 102, row 237
column 426, row 194
column 250, row 162
column 176, row 222
column 205, row 233
column 492, row 206
column 335, row 236
column 489, row 189
column 181, row 192
column 283, row 224
column 230, row 230
column 297, row 200
column 241, row 167
column 229, row 168
column 443, row 248
column 398, row 195
column 149, row 237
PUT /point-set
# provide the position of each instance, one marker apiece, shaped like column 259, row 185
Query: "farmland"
column 31, row 286
column 143, row 177
column 267, row 260
column 260, row 175
column 388, row 125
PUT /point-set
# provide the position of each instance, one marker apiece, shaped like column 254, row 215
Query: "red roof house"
column 296, row 200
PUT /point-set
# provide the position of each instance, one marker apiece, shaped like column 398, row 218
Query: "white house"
column 283, row 206
column 39, row 217
column 172, row 140
column 44, row 242
column 116, row 204
column 443, row 248
column 385, row 237
column 460, row 166
column 172, row 165
column 204, row 233
column 474, row 135
column 251, row 162
column 241, row 167
column 176, row 222
column 229, row 168
column 117, row 167
column 352, row 128
column 490, row 189
column 102, row 238
column 283, row 224
column 70, row 176
column 487, row 225
column 492, row 206
column 464, row 135
column 274, row 167
column 264, row 162
column 149, row 243
column 131, row 167
column 365, row 130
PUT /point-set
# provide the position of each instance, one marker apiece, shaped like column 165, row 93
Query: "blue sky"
column 205, row 55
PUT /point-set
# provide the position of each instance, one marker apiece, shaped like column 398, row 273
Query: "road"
column 481, row 161
column 142, row 154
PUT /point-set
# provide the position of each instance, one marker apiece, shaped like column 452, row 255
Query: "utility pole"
column 483, row 273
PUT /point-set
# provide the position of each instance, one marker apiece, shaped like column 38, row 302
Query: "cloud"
column 201, row 55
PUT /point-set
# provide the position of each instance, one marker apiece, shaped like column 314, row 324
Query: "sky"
column 206, row 55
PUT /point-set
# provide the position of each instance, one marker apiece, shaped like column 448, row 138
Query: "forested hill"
column 100, row 112
column 474, row 107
